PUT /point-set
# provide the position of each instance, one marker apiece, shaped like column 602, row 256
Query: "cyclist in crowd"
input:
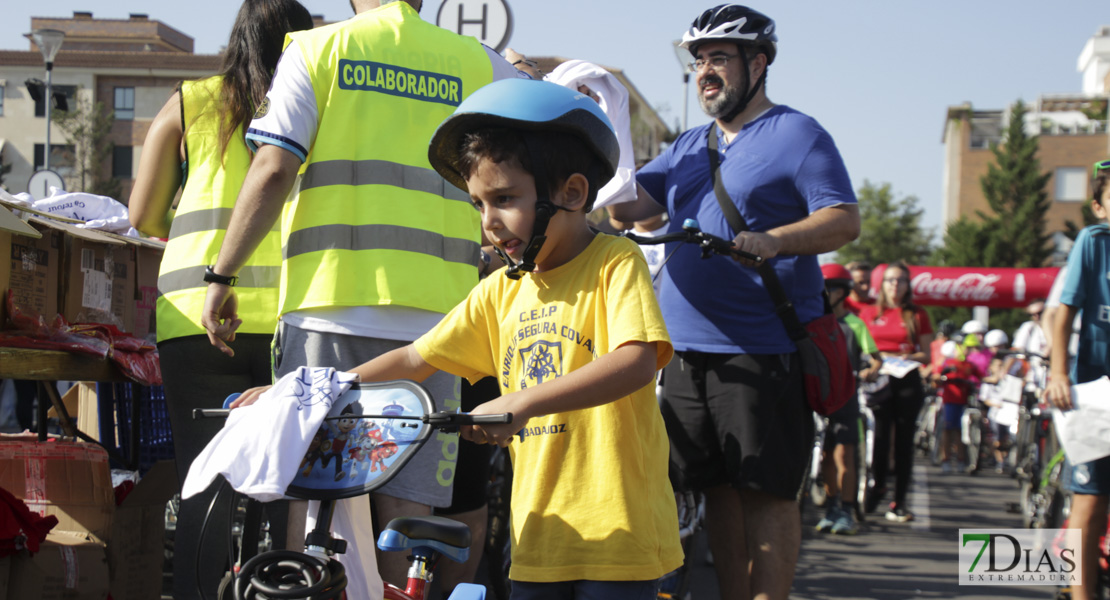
column 901, row 330
column 572, row 330
column 1001, row 365
column 1030, row 336
column 366, row 203
column 974, row 349
column 1086, row 292
column 744, row 441
column 945, row 330
column 196, row 145
column 954, row 388
column 861, row 288
column 842, row 435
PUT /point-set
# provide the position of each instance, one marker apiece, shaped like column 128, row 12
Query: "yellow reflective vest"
column 199, row 225
column 371, row 223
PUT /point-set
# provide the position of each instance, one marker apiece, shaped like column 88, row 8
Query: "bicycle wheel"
column 934, row 437
column 498, row 533
column 863, row 472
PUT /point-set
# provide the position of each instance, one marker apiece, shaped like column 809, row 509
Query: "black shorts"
column 844, row 424
column 737, row 419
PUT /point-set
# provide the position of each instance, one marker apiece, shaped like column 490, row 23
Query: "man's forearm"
column 258, row 206
column 826, row 230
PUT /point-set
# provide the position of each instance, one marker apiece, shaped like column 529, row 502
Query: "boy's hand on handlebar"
column 249, row 397
column 494, row 434
column 763, row 245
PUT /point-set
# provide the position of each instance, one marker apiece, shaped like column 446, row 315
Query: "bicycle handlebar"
column 440, row 420
column 692, row 234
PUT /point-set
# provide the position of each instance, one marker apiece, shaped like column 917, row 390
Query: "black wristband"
column 210, row 276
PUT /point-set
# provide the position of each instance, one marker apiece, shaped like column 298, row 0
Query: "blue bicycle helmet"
column 527, row 106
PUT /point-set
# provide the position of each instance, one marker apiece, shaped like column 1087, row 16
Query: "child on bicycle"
column 958, row 377
column 842, row 435
column 1086, row 291
column 571, row 329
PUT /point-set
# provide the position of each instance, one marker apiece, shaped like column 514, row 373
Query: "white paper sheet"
column 898, row 367
column 1084, row 431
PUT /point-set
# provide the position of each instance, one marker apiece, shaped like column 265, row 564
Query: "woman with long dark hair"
column 901, row 330
column 196, row 145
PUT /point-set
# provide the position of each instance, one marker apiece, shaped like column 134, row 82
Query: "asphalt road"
column 897, row 561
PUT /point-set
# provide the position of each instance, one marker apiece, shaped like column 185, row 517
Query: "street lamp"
column 49, row 42
column 684, row 60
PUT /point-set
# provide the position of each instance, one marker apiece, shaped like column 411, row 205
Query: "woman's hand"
column 250, row 396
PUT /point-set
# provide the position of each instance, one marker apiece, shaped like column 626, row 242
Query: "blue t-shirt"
column 778, row 169
column 1087, row 287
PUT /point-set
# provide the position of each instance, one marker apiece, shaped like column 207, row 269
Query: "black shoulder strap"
column 783, row 306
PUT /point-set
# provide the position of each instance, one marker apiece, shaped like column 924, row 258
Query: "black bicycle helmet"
column 733, row 23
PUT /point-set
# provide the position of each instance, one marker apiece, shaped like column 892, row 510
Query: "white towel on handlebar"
column 261, row 446
column 259, row 451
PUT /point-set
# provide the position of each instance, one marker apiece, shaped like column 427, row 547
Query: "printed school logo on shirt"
column 543, row 361
column 369, row 76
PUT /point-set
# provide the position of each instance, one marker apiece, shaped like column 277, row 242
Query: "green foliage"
column 1071, row 229
column 86, row 126
column 1013, row 233
column 1015, row 191
column 890, row 229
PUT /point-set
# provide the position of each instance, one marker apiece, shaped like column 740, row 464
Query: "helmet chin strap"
column 751, row 89
column 545, row 209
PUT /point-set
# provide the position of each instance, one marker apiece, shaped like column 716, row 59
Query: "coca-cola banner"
column 974, row 286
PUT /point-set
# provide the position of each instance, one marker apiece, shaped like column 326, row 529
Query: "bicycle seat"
column 447, row 536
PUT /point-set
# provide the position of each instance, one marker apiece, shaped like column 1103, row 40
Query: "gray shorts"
column 428, row 477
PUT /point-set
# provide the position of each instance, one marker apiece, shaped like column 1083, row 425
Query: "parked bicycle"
column 398, row 417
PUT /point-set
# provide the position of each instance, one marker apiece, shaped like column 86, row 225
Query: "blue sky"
column 879, row 75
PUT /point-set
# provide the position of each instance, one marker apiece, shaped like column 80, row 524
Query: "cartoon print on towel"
column 350, row 453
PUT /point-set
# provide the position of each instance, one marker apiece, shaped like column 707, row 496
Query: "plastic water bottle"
column 1019, row 288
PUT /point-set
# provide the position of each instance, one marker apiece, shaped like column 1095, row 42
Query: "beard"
column 727, row 99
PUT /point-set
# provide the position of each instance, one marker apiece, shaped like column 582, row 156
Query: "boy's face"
column 505, row 194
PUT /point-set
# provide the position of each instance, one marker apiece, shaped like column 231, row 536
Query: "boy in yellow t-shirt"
column 573, row 333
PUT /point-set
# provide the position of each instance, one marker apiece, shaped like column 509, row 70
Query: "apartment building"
column 1072, row 134
column 131, row 66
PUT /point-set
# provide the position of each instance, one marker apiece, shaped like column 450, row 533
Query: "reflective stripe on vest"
column 198, row 227
column 371, row 223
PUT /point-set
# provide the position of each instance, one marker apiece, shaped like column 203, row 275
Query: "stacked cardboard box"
column 96, row 547
column 87, row 276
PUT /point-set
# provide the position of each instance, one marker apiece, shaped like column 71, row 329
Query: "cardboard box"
column 81, row 404
column 98, row 280
column 147, row 263
column 69, row 480
column 136, row 549
column 68, row 566
column 29, row 267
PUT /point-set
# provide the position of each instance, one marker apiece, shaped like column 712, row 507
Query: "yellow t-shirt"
column 591, row 497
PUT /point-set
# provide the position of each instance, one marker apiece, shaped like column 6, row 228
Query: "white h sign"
column 490, row 21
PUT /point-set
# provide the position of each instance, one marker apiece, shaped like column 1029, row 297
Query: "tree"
column 86, row 126
column 890, row 229
column 1014, row 187
column 1012, row 234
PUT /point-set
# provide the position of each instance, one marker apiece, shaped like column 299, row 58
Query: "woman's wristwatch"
column 211, row 276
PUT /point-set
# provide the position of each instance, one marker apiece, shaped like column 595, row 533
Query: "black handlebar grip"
column 491, row 419
column 205, row 413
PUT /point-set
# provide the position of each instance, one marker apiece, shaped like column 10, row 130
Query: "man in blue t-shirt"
column 1086, row 291
column 734, row 400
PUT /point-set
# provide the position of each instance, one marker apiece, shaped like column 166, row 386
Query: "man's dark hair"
column 561, row 155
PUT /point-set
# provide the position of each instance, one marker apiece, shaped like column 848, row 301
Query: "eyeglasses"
column 1101, row 165
column 895, row 280
column 718, row 61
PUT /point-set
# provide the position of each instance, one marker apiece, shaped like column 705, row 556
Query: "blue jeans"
column 586, row 590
